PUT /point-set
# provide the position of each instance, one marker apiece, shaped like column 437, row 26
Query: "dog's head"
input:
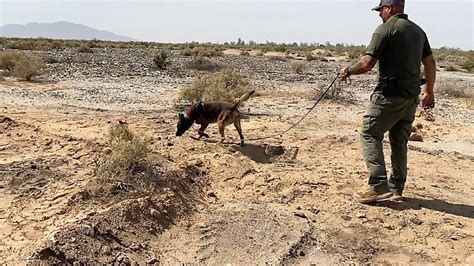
column 184, row 123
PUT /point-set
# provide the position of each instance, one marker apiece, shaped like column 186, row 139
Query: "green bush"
column 161, row 60
column 225, row 85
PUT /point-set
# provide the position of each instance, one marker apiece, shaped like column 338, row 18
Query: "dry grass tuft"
column 20, row 65
column 125, row 166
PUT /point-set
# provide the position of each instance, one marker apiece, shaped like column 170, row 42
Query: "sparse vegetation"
column 202, row 64
column 20, row 65
column 468, row 63
column 160, row 60
column 201, row 51
column 452, row 90
column 298, row 67
column 224, row 85
column 244, row 52
column 84, row 49
column 451, row 67
column 126, row 164
column 310, row 57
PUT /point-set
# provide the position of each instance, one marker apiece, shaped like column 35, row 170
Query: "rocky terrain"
column 286, row 199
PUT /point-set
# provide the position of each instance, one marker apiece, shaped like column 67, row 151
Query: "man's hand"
column 343, row 73
column 428, row 100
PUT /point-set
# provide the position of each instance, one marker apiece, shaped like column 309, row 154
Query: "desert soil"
column 282, row 200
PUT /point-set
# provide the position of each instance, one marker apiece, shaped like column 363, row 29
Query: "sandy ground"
column 286, row 199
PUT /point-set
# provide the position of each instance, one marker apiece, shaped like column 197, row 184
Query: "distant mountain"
column 59, row 30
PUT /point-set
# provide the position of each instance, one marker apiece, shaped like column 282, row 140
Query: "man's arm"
column 365, row 64
column 429, row 66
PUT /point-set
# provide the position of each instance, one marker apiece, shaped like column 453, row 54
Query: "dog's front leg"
column 201, row 131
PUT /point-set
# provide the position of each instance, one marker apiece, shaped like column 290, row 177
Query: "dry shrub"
column 336, row 93
column 225, row 85
column 451, row 67
column 277, row 58
column 161, row 60
column 310, row 57
column 125, row 167
column 298, row 67
column 22, row 45
column 468, row 63
column 244, row 52
column 20, row 65
column 453, row 90
column 201, row 51
column 85, row 49
column 187, row 52
column 202, row 64
column 8, row 59
column 57, row 45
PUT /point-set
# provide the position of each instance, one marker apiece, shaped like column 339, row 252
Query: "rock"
column 416, row 137
column 454, row 237
column 274, row 150
column 300, row 214
column 360, row 215
column 212, row 194
column 151, row 261
column 107, row 150
column 388, row 226
column 106, row 250
column 416, row 221
column 134, row 247
column 346, row 217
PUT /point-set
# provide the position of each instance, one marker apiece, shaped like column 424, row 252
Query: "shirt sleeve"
column 378, row 42
column 426, row 48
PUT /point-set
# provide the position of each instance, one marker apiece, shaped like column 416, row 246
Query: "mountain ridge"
column 59, row 30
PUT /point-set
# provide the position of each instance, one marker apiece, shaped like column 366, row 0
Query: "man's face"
column 384, row 12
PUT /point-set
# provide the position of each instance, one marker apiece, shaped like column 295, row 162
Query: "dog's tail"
column 238, row 101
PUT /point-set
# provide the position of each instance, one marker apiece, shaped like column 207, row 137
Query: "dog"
column 221, row 112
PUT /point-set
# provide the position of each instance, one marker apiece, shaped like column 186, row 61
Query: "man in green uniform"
column 399, row 45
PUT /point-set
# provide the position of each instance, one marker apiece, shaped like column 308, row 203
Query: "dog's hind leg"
column 238, row 127
column 201, row 131
column 224, row 120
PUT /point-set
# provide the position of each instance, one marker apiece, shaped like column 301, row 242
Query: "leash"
column 348, row 82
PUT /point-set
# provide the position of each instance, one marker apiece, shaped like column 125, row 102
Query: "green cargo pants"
column 394, row 114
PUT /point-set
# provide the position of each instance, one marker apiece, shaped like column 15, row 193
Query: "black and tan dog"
column 220, row 112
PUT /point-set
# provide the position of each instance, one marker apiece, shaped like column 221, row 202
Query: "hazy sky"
column 447, row 23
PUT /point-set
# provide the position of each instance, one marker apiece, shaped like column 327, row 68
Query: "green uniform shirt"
column 400, row 45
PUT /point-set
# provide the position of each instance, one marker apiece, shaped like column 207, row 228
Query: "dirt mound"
column 5, row 123
column 121, row 233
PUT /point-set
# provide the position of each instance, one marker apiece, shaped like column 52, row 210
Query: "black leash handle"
column 303, row 117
